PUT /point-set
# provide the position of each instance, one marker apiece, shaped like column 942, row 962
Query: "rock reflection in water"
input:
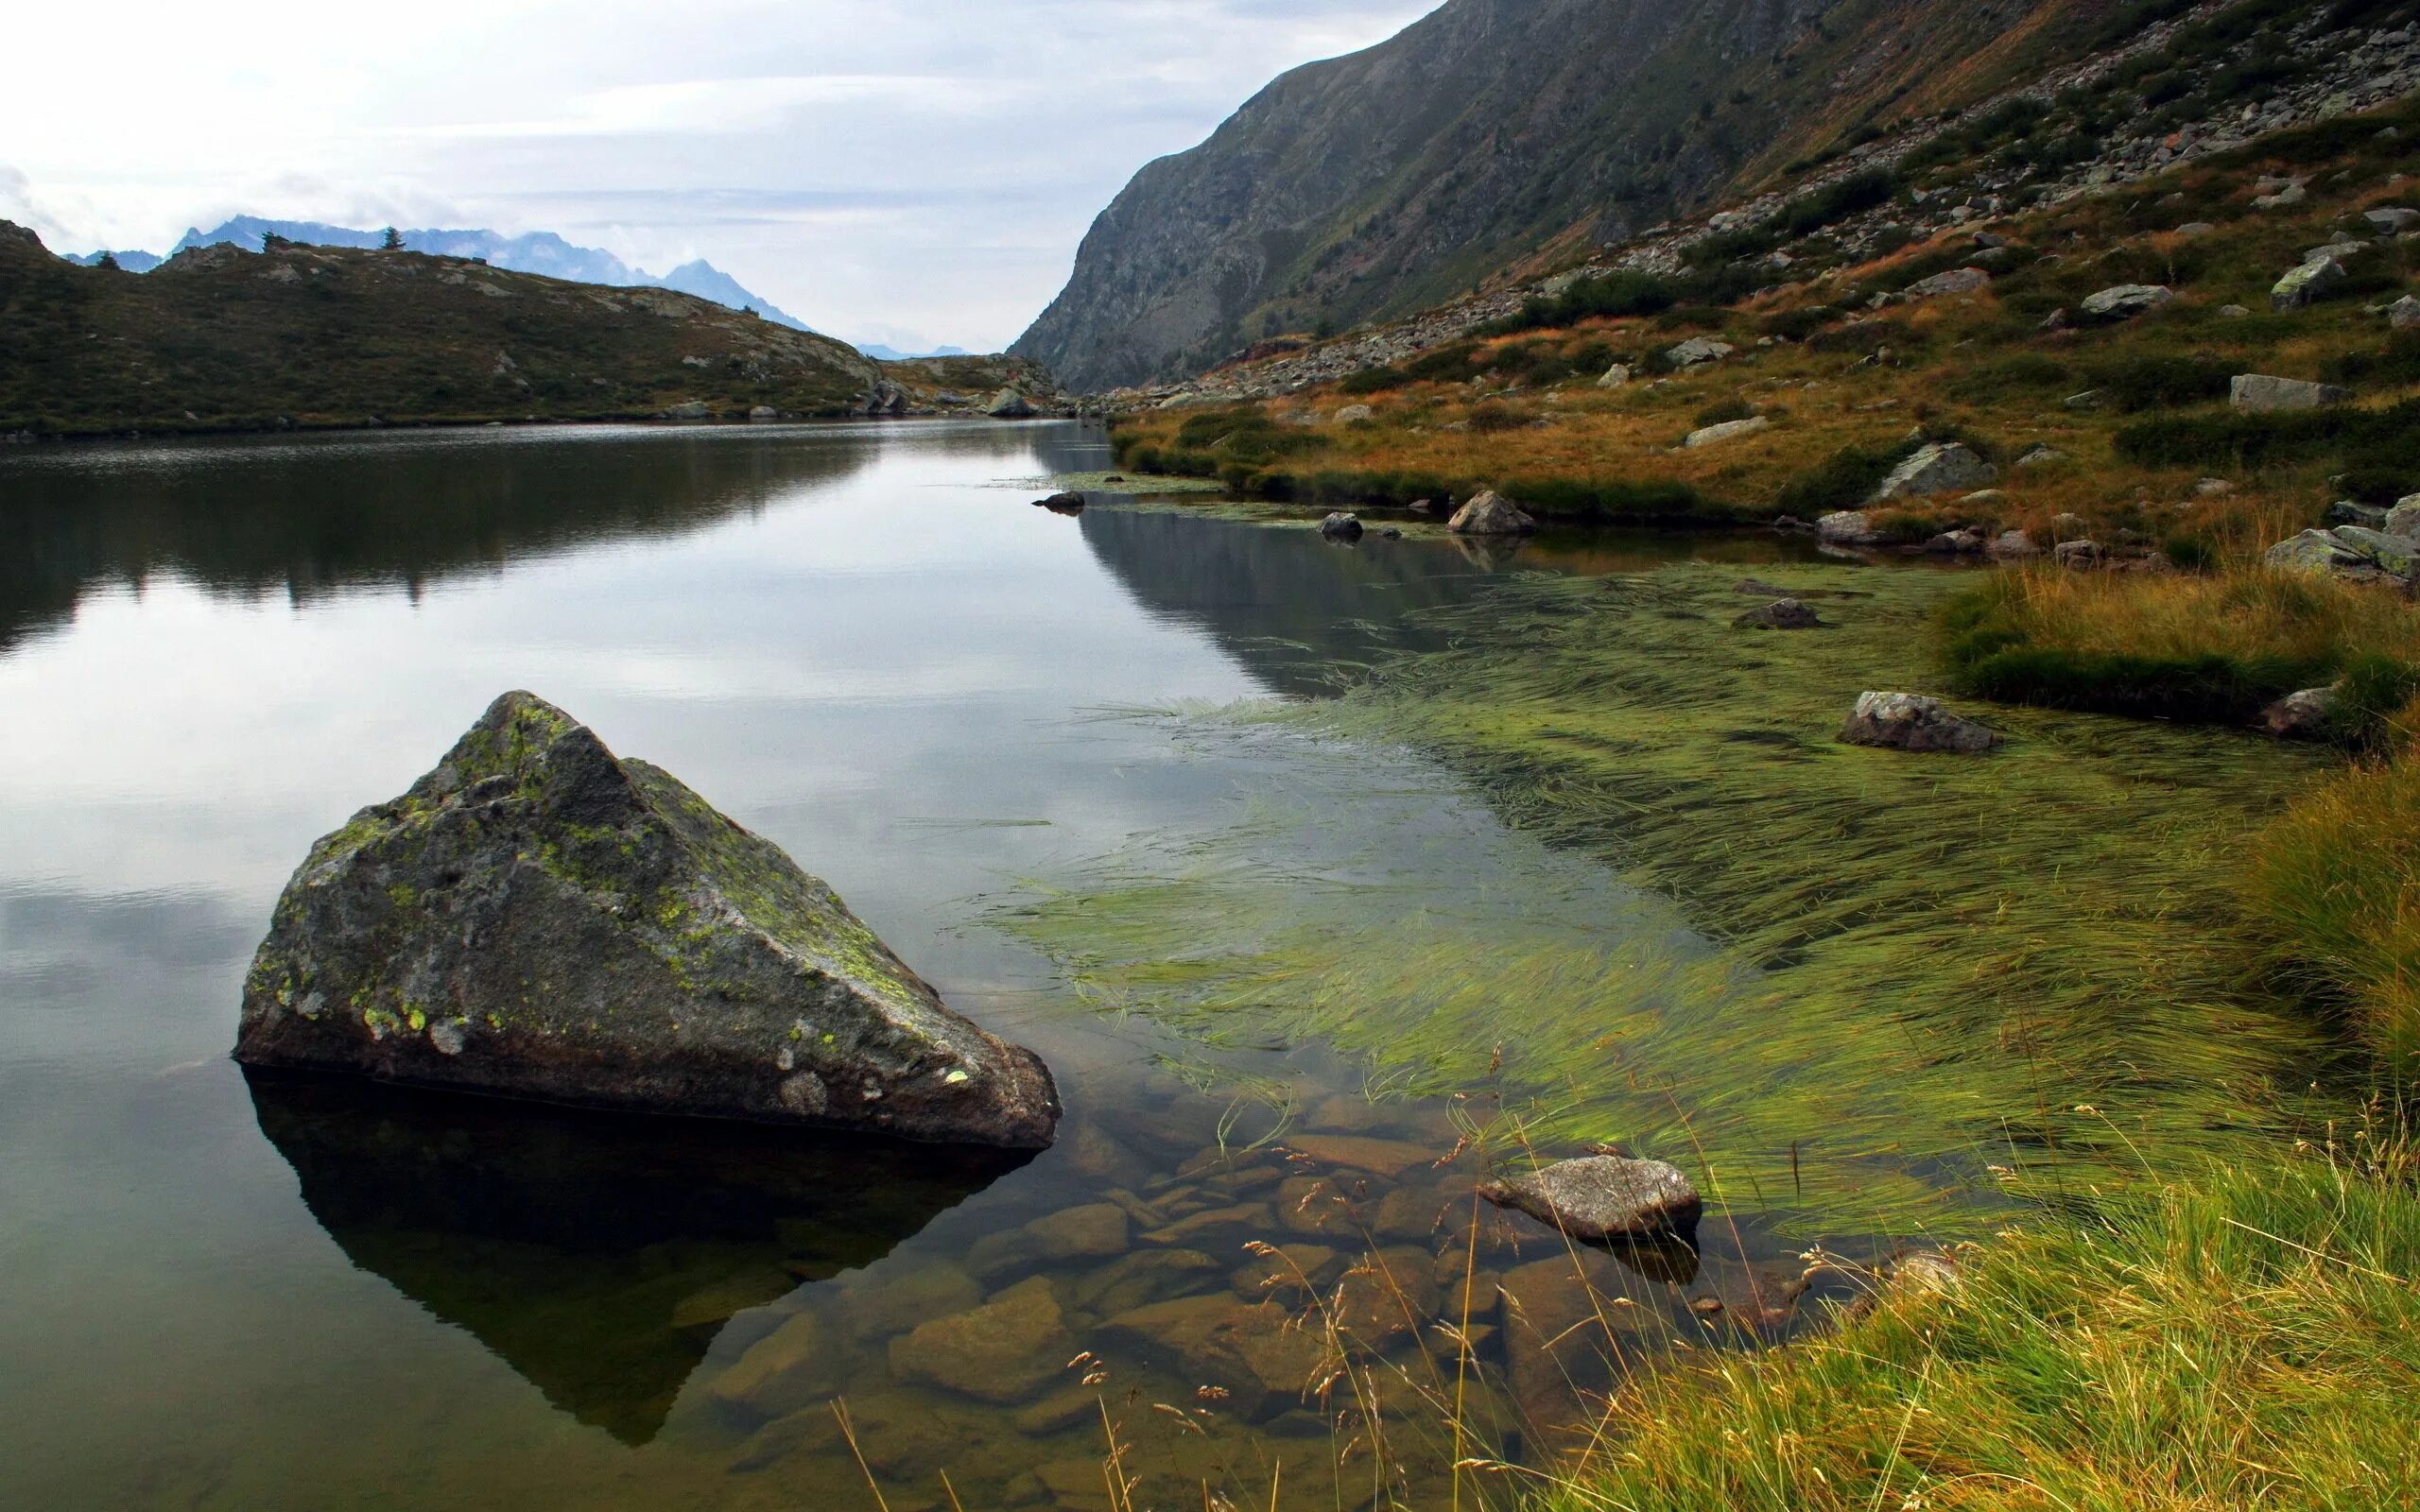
column 597, row 1255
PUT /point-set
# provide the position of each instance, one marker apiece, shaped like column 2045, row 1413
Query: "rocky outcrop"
column 1605, row 1196
column 1490, row 514
column 538, row 918
column 1908, row 721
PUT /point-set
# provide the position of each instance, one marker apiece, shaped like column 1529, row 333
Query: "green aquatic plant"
column 1841, row 984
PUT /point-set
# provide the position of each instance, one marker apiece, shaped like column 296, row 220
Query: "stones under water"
column 538, row 918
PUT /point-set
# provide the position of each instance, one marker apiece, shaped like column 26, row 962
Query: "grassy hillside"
column 221, row 338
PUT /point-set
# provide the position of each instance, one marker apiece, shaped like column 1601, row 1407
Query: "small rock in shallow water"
column 1907, row 721
column 1490, row 514
column 1341, row 526
column 1061, row 504
column 1605, row 1196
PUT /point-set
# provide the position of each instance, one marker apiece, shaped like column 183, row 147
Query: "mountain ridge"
column 543, row 252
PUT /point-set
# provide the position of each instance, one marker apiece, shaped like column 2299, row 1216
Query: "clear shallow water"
column 863, row 643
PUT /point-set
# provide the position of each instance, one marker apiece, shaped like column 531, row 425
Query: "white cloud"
column 872, row 168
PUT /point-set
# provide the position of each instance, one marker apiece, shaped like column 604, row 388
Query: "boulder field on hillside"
column 538, row 918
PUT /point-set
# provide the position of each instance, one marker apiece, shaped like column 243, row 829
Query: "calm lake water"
column 863, row 643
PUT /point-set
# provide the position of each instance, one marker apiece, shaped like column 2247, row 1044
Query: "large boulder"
column 2352, row 552
column 2307, row 284
column 1490, row 514
column 2404, row 519
column 2258, row 391
column 2124, row 302
column 1010, row 405
column 1908, row 721
column 538, row 918
column 1937, row 467
column 1605, row 1196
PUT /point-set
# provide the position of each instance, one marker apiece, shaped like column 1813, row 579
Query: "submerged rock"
column 1605, row 1196
column 1065, row 503
column 536, row 919
column 1781, row 614
column 1908, row 721
column 1490, row 514
column 1004, row 1351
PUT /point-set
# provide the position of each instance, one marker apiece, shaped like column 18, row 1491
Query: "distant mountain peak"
column 542, row 251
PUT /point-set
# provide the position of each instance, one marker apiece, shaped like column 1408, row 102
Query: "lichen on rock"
column 538, row 918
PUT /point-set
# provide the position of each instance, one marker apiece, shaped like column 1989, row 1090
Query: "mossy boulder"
column 538, row 918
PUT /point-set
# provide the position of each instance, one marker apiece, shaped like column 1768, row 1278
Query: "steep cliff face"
column 1481, row 135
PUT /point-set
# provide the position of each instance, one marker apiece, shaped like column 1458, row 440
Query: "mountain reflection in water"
column 598, row 1255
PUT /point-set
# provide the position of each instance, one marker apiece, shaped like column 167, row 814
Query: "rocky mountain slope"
column 2205, row 82
column 222, row 339
column 1502, row 139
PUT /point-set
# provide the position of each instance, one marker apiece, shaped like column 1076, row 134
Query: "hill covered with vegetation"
column 221, row 338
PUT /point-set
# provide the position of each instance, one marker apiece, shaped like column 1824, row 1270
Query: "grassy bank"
column 2214, row 648
column 2249, row 1337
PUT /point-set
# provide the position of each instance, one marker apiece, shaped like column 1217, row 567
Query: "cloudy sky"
column 914, row 173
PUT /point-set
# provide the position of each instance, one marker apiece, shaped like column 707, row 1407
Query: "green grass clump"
column 2209, row 650
column 2335, row 888
column 2248, row 1337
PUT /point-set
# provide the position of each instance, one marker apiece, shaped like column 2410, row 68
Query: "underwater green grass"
column 1910, row 970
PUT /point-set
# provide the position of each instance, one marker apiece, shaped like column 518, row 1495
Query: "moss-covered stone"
column 538, row 918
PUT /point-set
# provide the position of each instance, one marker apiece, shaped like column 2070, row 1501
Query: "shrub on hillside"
column 1842, row 481
column 2140, row 383
column 2382, row 448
